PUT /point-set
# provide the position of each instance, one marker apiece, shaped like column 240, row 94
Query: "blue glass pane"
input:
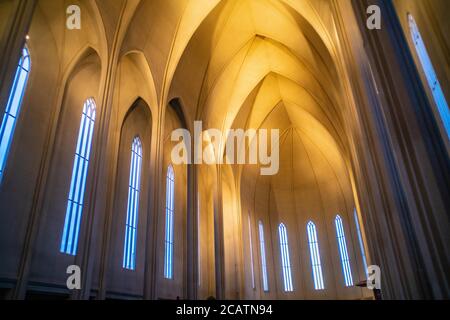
column 430, row 74
column 16, row 99
column 285, row 259
column 315, row 256
column 7, row 128
column 26, row 60
column 168, row 249
column 345, row 260
column 69, row 242
column 13, row 108
column 263, row 257
column 361, row 243
column 251, row 251
column 129, row 256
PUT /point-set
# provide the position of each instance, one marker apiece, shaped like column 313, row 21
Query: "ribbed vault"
column 261, row 46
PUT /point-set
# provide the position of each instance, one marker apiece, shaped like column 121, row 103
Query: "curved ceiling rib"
column 226, row 54
column 247, row 41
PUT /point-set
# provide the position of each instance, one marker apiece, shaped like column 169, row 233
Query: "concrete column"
column 11, row 44
column 219, row 251
column 191, row 279
column 415, row 183
column 157, row 206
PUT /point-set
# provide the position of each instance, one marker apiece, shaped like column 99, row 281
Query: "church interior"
column 87, row 179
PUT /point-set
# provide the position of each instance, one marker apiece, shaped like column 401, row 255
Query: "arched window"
column 74, row 210
column 168, row 251
column 430, row 74
column 361, row 243
column 129, row 256
column 315, row 256
column 13, row 107
column 345, row 260
column 251, row 250
column 285, row 260
column 262, row 248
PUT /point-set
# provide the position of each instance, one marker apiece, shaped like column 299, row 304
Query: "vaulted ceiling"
column 232, row 63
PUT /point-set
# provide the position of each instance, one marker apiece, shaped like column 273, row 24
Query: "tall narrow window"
column 170, row 195
column 13, row 107
column 285, row 260
column 361, row 243
column 430, row 74
column 134, row 185
column 74, row 210
column 262, row 248
column 251, row 250
column 315, row 256
column 345, row 260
